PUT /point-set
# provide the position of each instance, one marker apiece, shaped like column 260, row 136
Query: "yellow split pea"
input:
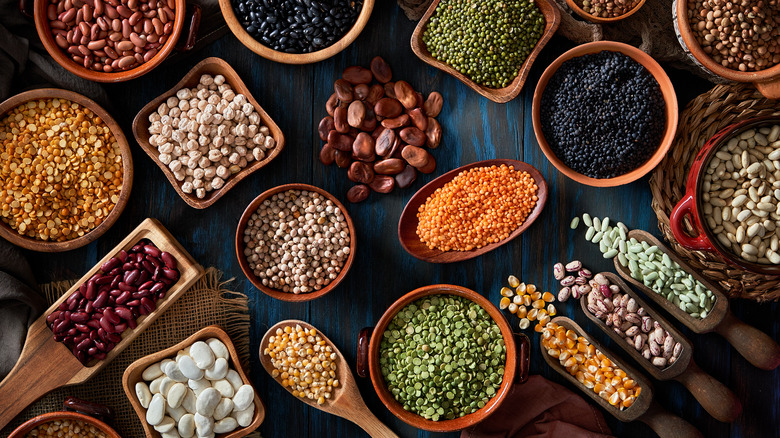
column 478, row 207
column 61, row 170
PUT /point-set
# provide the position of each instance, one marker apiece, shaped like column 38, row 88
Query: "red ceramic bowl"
column 28, row 426
column 691, row 205
column 516, row 360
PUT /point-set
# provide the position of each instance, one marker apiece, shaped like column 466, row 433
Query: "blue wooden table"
column 474, row 129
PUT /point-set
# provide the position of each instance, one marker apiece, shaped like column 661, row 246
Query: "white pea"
column 234, row 378
column 224, row 387
column 225, row 425
column 202, row 355
column 166, row 425
column 218, row 347
column 154, row 386
column 176, row 395
column 207, row 401
column 190, row 402
column 189, row 368
column 175, row 413
column 244, row 418
column 223, row 409
column 204, row 425
column 156, row 410
column 152, row 372
column 187, row 426
column 243, row 397
column 143, row 394
column 219, row 370
column 165, row 385
column 174, row 373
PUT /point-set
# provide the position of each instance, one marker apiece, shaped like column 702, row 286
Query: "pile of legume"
column 608, row 8
column 297, row 241
column 523, row 296
column 478, row 207
column 304, row 362
column 442, row 357
column 488, row 41
column 574, row 278
column 603, row 114
column 741, row 35
column 66, row 429
column 650, row 265
column 61, row 171
column 590, row 366
column 741, row 195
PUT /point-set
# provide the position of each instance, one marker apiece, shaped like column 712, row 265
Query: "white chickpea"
column 258, row 154
column 217, row 183
column 187, row 187
column 200, row 193
column 223, row 172
column 164, row 158
column 172, row 101
column 219, row 80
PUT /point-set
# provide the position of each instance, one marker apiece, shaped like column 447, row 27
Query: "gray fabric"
column 20, row 304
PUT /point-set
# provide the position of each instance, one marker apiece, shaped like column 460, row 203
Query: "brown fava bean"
column 416, row 156
column 433, row 133
column 357, row 75
column 405, row 94
column 391, row 166
column 363, row 147
column 396, row 122
column 360, row 172
column 361, row 91
column 326, row 125
column 327, row 155
column 343, row 159
column 358, row 193
column 388, row 107
column 382, row 184
column 418, row 119
column 340, row 141
column 356, row 114
column 332, row 104
column 384, row 143
column 428, row 167
column 390, row 89
column 381, row 70
column 343, row 90
column 433, row 104
column 413, row 136
column 370, row 122
column 375, row 92
column 340, row 120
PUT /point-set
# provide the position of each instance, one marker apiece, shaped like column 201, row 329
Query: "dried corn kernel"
column 538, row 304
column 513, row 281
column 504, row 303
column 524, row 323
column 551, row 310
column 506, row 292
column 548, row 297
column 530, row 289
column 522, row 311
column 521, row 288
column 532, row 314
column 512, row 308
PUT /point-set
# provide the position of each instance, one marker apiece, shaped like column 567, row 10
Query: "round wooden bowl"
column 575, row 6
column 667, row 90
column 62, row 58
column 444, row 425
column 7, row 233
column 289, row 296
column 29, row 425
column 294, row 58
column 766, row 81
column 133, row 374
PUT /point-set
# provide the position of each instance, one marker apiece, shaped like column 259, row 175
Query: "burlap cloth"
column 208, row 302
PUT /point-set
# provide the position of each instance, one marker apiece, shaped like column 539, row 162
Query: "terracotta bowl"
column 289, row 296
column 575, row 6
column 212, row 66
column 670, row 99
column 766, row 81
column 62, row 58
column 14, row 237
column 133, row 375
column 516, row 360
column 552, row 17
column 294, row 58
column 28, row 426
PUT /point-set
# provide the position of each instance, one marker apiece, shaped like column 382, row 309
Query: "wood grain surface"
column 474, row 128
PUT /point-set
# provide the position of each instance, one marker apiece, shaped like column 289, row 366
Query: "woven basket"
column 701, row 119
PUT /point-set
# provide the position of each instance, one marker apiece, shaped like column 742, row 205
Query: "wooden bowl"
column 62, row 58
column 12, row 235
column 212, row 66
column 552, row 18
column 575, row 6
column 29, row 425
column 294, row 58
column 407, row 225
column 275, row 293
column 513, row 361
column 132, row 375
column 766, row 81
column 670, row 100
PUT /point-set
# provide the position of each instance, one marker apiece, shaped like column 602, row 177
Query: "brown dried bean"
column 385, row 142
column 418, row 119
column 406, row 177
column 339, row 141
column 396, row 122
column 416, row 156
column 381, row 70
column 358, row 193
column 340, row 120
column 327, row 155
column 389, row 88
column 343, row 159
column 361, row 91
column 360, row 172
column 388, row 107
column 375, row 93
column 382, row 184
column 357, row 75
column 343, row 90
column 413, row 136
column 390, row 166
column 363, row 147
column 405, row 94
column 332, row 104
column 356, row 114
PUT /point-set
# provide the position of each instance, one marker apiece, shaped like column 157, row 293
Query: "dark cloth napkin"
column 540, row 408
column 20, row 304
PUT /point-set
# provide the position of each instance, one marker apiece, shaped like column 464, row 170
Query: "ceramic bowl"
column 671, row 111
column 28, row 426
column 576, row 6
column 289, row 296
column 7, row 233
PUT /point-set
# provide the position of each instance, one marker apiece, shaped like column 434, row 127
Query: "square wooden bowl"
column 212, row 66
column 552, row 18
column 133, row 375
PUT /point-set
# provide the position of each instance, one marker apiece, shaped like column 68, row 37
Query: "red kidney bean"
column 83, row 344
column 101, row 300
column 124, row 313
column 112, row 263
column 106, row 325
column 131, row 276
column 83, row 328
column 125, row 286
column 53, row 316
column 124, row 297
column 79, row 317
column 171, row 274
column 133, row 303
column 169, row 260
column 94, row 323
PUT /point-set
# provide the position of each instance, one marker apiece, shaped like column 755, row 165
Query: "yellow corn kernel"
column 538, row 304
column 517, row 299
column 522, row 311
column 628, row 401
column 512, row 307
column 536, row 296
column 513, row 281
column 527, row 300
column 538, row 328
column 524, row 323
column 504, row 303
column 543, row 320
column 506, row 292
column 532, row 314
column 548, row 297
column 551, row 310
column 614, row 399
column 530, row 289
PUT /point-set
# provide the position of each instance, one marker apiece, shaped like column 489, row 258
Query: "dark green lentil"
column 442, row 357
column 486, row 40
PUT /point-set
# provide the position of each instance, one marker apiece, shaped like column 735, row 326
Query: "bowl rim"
column 27, row 426
column 266, row 52
column 377, row 380
column 592, row 18
column 44, row 33
column 251, row 208
column 671, row 111
column 12, row 235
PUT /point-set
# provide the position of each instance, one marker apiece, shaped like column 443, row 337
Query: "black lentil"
column 297, row 26
column 603, row 114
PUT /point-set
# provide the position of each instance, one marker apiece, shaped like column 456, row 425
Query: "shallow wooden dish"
column 516, row 360
column 671, row 110
column 714, row 397
column 575, row 6
column 407, row 224
column 552, row 18
column 212, row 66
column 294, row 58
column 133, row 372
column 345, row 400
column 29, row 425
column 289, row 296
column 9, row 234
column 33, row 376
column 754, row 345
column 644, row 408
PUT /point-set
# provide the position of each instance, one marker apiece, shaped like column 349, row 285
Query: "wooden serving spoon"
column 754, row 345
column 345, row 401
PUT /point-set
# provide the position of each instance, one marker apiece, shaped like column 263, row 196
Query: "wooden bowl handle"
column 523, row 357
column 27, row 7
column 96, row 410
column 753, row 344
column 667, row 425
column 713, row 396
column 364, row 337
column 681, row 210
column 191, row 25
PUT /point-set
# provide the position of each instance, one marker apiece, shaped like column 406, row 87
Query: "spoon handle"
column 713, row 396
column 375, row 428
column 668, row 425
column 754, row 345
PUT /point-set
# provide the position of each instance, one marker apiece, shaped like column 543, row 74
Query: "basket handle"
column 681, row 210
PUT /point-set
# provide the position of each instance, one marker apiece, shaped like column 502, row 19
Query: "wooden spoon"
column 407, row 225
column 345, row 400
column 714, row 397
column 644, row 408
column 754, row 345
